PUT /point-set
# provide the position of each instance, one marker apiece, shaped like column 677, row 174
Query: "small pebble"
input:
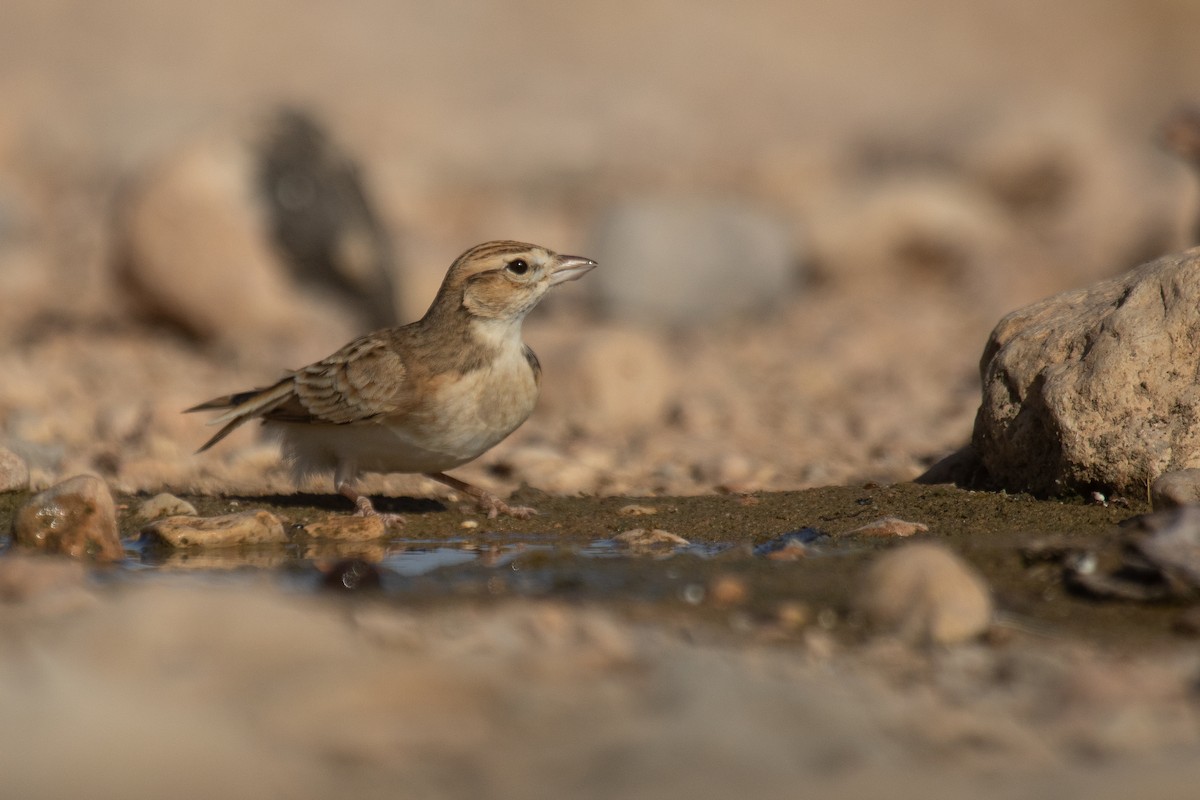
column 891, row 526
column 728, row 590
column 165, row 505
column 634, row 510
column 792, row 551
column 348, row 528
column 469, row 524
column 925, row 594
column 643, row 540
column 793, row 615
column 227, row 530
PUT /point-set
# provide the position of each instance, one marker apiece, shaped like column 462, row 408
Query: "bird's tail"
column 242, row 407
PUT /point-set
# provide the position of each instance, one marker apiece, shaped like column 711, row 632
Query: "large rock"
column 75, row 518
column 1096, row 388
column 678, row 260
column 255, row 232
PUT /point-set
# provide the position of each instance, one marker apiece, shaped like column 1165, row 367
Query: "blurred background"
column 808, row 214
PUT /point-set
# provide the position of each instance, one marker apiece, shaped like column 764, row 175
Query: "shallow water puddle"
column 494, row 564
column 760, row 557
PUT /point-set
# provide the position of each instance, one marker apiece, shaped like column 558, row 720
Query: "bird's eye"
column 518, row 266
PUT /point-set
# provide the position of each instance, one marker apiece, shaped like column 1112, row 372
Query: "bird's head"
column 505, row 280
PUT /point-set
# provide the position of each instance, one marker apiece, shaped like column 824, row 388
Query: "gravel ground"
column 917, row 169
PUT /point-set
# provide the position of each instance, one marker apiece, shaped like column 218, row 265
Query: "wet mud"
column 731, row 563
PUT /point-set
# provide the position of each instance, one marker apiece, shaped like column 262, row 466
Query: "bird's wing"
column 364, row 380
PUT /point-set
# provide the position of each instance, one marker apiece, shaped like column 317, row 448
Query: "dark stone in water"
column 352, row 575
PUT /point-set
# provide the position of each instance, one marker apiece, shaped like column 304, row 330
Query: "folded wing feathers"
column 244, row 406
column 362, row 381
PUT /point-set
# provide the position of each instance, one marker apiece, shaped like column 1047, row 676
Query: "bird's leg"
column 363, row 504
column 486, row 501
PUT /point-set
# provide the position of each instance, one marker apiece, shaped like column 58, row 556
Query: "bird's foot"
column 364, row 509
column 486, row 501
column 493, row 506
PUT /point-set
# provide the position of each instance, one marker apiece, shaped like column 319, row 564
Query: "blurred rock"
column 728, row 590
column 76, row 518
column 1097, row 199
column 222, row 237
column 14, row 472
column 925, row 594
column 1156, row 560
column 24, row 576
column 1181, row 135
column 227, row 530
column 1170, row 541
column 927, row 228
column 165, row 505
column 322, row 217
column 348, row 528
column 616, row 380
column 678, row 260
column 1087, row 389
column 1177, row 488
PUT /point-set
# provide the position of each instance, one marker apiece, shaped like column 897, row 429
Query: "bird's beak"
column 569, row 268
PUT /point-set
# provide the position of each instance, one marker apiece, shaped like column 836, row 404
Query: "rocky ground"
column 808, row 218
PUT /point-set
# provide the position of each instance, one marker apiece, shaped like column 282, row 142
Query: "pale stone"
column 1092, row 388
column 165, row 505
column 677, row 260
column 348, row 528
column 925, row 594
column 228, row 530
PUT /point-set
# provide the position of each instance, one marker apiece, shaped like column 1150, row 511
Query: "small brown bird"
column 425, row 397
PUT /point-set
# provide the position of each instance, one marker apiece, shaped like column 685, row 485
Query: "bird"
column 425, row 397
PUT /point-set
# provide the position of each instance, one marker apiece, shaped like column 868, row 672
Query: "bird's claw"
column 365, row 509
column 495, row 507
